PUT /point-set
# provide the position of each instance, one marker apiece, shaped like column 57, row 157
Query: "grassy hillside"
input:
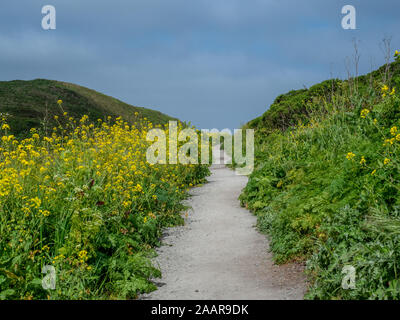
column 297, row 105
column 326, row 183
column 29, row 103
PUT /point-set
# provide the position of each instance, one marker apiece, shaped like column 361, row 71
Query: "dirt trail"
column 219, row 254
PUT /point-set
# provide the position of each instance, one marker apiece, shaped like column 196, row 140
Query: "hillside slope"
column 326, row 184
column 297, row 105
column 29, row 102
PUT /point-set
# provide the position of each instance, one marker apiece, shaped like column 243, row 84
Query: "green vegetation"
column 30, row 104
column 86, row 201
column 77, row 193
column 298, row 105
column 326, row 183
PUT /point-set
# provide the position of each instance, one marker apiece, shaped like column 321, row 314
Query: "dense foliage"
column 85, row 200
column 327, row 189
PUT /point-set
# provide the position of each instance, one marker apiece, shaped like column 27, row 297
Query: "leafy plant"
column 326, row 184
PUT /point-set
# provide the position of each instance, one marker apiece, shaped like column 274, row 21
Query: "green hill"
column 297, row 105
column 326, row 184
column 28, row 103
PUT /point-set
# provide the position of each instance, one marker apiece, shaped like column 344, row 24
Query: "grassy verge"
column 327, row 189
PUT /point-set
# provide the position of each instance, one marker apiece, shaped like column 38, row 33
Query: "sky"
column 216, row 63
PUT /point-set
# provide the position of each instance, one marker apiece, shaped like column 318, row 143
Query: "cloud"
column 217, row 63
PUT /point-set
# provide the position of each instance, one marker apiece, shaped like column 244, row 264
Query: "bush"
column 85, row 201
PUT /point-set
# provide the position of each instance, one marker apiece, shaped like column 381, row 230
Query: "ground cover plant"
column 84, row 199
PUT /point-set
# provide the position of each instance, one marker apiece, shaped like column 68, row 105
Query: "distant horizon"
column 156, row 108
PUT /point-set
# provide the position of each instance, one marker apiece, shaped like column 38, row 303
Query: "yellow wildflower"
column 126, row 203
column 364, row 113
column 83, row 255
column 36, row 202
column 45, row 213
column 389, row 141
column 350, row 156
column 152, row 215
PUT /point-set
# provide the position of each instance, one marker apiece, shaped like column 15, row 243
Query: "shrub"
column 85, row 201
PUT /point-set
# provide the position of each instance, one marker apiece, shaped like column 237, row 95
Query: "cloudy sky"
column 217, row 63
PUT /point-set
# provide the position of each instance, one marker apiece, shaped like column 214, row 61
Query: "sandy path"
column 219, row 254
